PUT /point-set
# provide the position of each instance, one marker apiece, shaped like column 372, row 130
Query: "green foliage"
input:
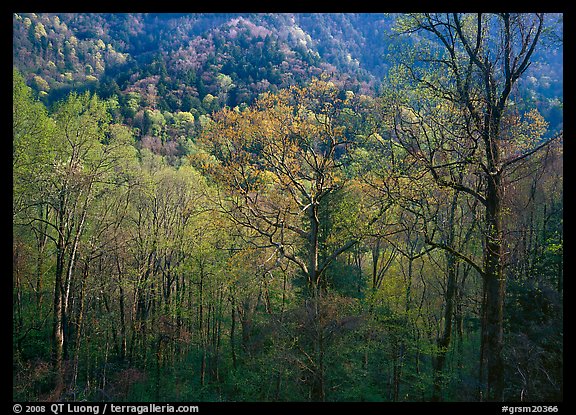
column 170, row 216
column 31, row 133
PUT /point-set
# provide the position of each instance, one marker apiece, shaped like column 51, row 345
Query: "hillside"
column 201, row 62
column 257, row 52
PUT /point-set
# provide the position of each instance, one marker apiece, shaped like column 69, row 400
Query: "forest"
column 287, row 207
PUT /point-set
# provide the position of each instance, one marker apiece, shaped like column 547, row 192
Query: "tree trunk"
column 17, row 290
column 495, row 285
column 79, row 324
column 318, row 393
column 123, row 345
column 316, row 286
column 233, row 331
column 58, row 317
column 42, row 239
column 313, row 282
column 444, row 340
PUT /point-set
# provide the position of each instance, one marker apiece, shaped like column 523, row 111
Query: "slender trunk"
column 313, row 282
column 178, row 336
column 158, row 365
column 201, row 300
column 375, row 276
column 358, row 265
column 444, row 340
column 375, row 258
column 233, row 331
column 58, row 316
column 483, row 345
column 105, row 365
column 135, row 324
column 39, row 266
column 79, row 325
column 142, row 314
column 42, row 241
column 122, row 313
column 316, row 286
column 216, row 337
column 495, row 286
column 317, row 387
column 401, row 350
column 68, row 281
column 18, row 318
column 459, row 318
column 409, row 289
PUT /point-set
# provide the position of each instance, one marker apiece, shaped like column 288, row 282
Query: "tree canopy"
column 179, row 236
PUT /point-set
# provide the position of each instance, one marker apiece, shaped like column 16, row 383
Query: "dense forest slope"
column 287, row 207
column 233, row 57
column 201, row 62
column 170, row 71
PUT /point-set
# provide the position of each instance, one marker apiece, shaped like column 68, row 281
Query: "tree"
column 280, row 160
column 466, row 75
column 84, row 151
column 31, row 134
column 32, row 130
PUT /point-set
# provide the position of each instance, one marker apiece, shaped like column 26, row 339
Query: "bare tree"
column 464, row 80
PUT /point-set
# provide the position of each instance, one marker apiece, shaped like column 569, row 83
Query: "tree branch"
column 515, row 159
column 456, row 254
column 456, row 186
column 335, row 254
